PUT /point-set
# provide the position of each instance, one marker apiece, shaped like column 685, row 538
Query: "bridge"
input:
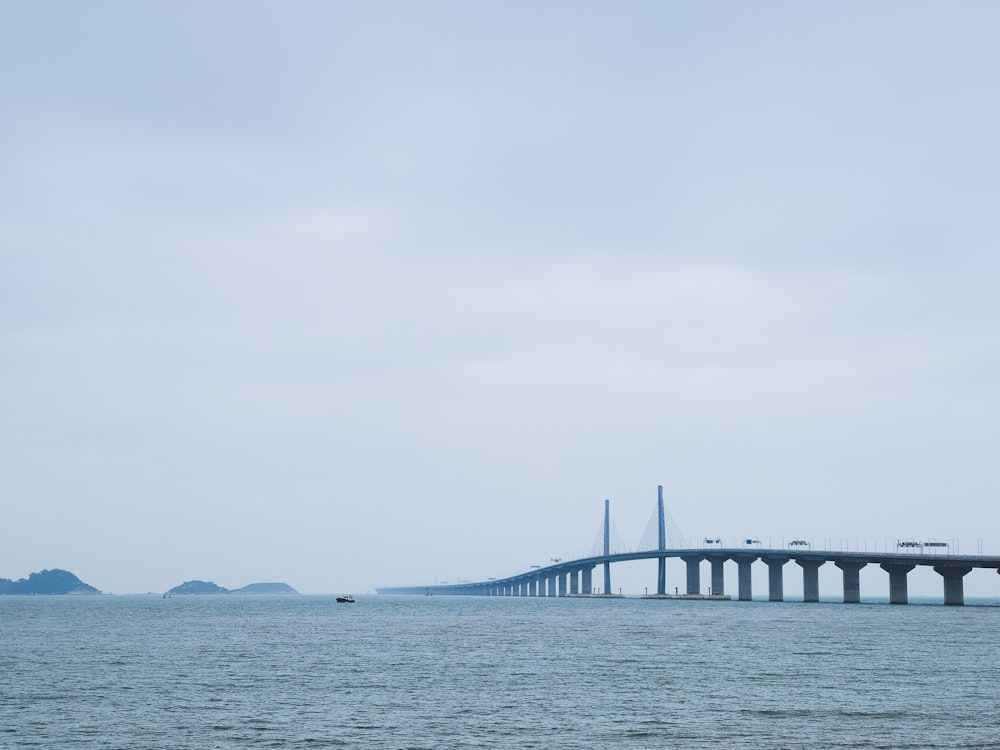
column 575, row 577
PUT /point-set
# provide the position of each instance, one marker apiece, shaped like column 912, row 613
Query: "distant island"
column 47, row 582
column 208, row 587
column 58, row 581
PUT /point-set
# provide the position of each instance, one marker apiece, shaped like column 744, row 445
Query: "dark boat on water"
column 345, row 599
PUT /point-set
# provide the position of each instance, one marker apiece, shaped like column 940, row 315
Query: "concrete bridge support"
column 775, row 581
column 586, row 580
column 693, row 574
column 897, row 581
column 661, row 575
column 718, row 577
column 562, row 583
column 574, row 581
column 810, row 579
column 852, row 579
column 745, row 577
column 553, row 585
column 954, row 589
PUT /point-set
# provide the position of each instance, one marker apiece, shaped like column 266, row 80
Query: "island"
column 47, row 582
column 208, row 587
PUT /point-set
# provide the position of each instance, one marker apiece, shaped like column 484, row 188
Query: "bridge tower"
column 607, row 545
column 661, row 563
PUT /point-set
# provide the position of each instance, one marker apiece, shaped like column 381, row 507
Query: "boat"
column 345, row 599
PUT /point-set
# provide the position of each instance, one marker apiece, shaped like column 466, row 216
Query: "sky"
column 360, row 294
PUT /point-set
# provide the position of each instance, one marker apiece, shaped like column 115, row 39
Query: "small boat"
column 345, row 599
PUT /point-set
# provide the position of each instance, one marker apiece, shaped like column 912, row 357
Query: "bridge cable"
column 651, row 536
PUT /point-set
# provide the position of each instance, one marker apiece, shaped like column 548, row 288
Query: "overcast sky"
column 374, row 293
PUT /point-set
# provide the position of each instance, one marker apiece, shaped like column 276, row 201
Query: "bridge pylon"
column 607, row 546
column 661, row 563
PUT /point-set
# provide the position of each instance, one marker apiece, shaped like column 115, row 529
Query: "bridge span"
column 575, row 577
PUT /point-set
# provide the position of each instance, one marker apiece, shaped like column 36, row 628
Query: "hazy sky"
column 359, row 294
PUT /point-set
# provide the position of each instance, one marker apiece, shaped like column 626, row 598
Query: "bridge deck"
column 738, row 554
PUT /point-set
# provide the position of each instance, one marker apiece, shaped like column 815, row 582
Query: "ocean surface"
column 467, row 672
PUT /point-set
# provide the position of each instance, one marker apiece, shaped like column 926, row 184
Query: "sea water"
column 471, row 672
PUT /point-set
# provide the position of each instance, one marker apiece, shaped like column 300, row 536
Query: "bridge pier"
column 775, row 580
column 852, row 579
column 718, row 577
column 693, row 574
column 810, row 579
column 897, row 581
column 586, row 580
column 954, row 588
column 745, row 576
column 574, row 582
column 562, row 583
column 553, row 585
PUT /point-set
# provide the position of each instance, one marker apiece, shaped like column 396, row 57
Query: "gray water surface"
column 463, row 672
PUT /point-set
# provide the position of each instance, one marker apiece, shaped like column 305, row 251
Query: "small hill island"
column 47, row 582
column 208, row 587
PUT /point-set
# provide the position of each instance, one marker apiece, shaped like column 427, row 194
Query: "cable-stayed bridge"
column 663, row 540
